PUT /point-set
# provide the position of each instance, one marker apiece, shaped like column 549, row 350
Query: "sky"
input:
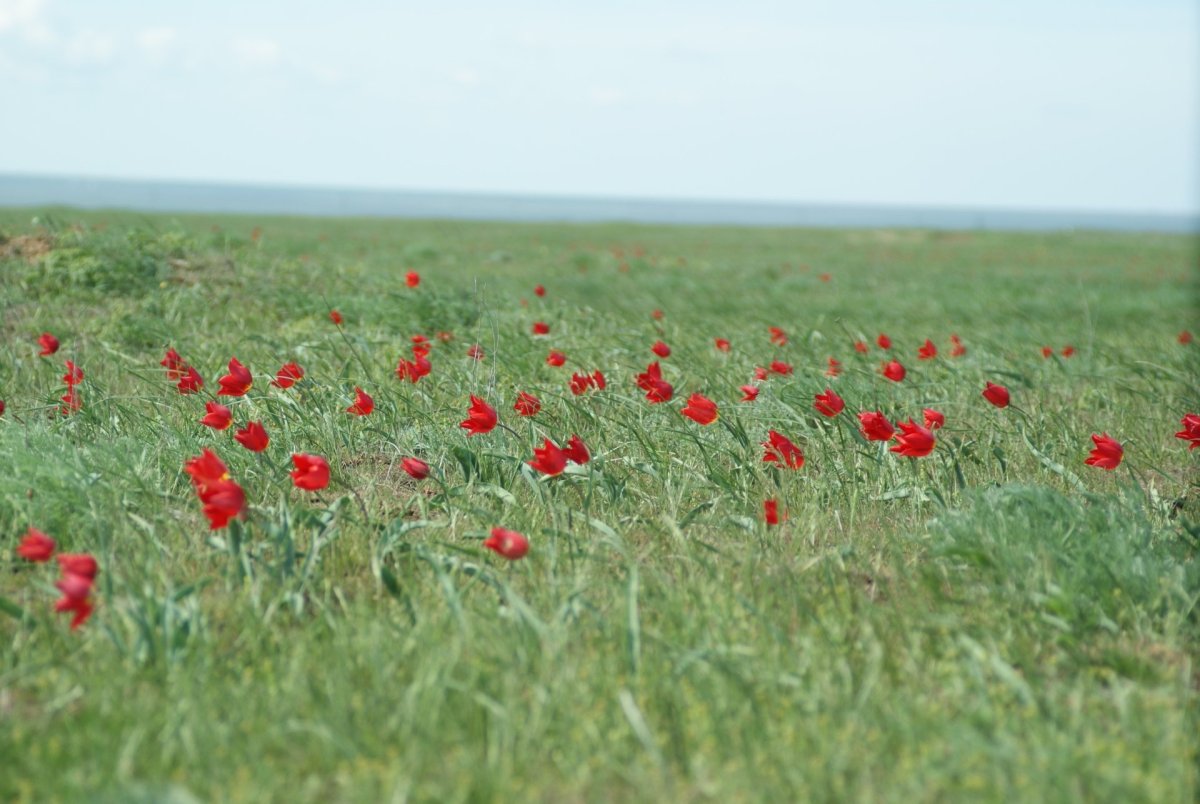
column 1048, row 104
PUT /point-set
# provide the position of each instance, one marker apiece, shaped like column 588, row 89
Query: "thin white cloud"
column 156, row 41
column 257, row 51
column 18, row 14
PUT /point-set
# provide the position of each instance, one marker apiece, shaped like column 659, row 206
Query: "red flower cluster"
column 71, row 400
column 580, row 383
column 78, row 574
column 550, row 459
column 222, row 498
column 651, row 381
column 187, row 380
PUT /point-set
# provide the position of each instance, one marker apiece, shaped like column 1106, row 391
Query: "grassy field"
column 996, row 621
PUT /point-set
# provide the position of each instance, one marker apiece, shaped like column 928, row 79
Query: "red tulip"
column 1047, row 351
column 778, row 336
column 933, row 419
column 598, row 380
column 74, row 375
column 420, row 346
column 914, row 440
column 335, row 317
column 996, row 394
column 539, row 291
column 475, row 352
column 206, row 470
column 507, row 543
column 190, row 382
column 656, row 314
column 1106, row 454
column 876, row 427
column 223, row 499
column 413, row 370
column 749, row 392
column 894, row 371
column 549, row 459
column 445, row 337
column 657, row 389
column 72, row 402
column 412, row 279
column 541, row 328
column 579, row 383
column 415, row 468
column 76, row 598
column 722, row 344
column 576, row 451
column 1184, row 337
column 884, row 341
column 481, row 417
column 927, row 351
column 779, row 449
column 780, row 367
column 36, row 546
column 956, row 348
column 253, row 437
column 49, row 344
column 288, row 375
column 311, row 472
column 363, row 403
column 80, row 564
column 835, row 368
column 174, row 365
column 661, row 349
column 1191, row 430
column 555, row 358
column 825, row 277
column 861, row 347
column 218, row 417
column 1, row 407
column 237, row 382
column 527, row 404
column 700, row 409
column 771, row 511
column 829, row 403
column 1068, row 351
column 760, row 373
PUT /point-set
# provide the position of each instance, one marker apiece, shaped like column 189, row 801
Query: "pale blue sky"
column 1057, row 105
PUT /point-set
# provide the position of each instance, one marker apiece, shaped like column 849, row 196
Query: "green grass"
column 994, row 622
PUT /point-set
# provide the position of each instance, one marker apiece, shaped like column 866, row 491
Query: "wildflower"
column 222, row 498
column 914, row 440
column 539, row 291
column 206, row 470
column 656, row 314
column 781, row 368
column 549, row 459
column 700, row 409
column 253, row 437
column 415, row 468
column 722, row 344
column 412, row 279
column 749, row 392
column 541, row 328
column 76, row 597
column 927, row 351
column 598, row 380
column 414, row 369
column 1191, row 430
column 661, row 349
column 576, row 451
column 1068, row 351
column 861, row 347
column 580, row 383
column 779, row 449
column 481, row 417
column 237, row 382
column 74, row 375
column 311, row 472
column 835, row 368
column 80, row 564
column 174, row 365
column 778, row 336
column 760, row 373
column 1184, row 337
column 335, row 317
column 190, row 382
column 894, row 371
column 49, row 344
column 288, row 375
column 829, row 403
column 825, row 277
column 555, row 358
column 507, row 543
column 36, row 546
column 217, row 416
column 72, row 402
column 956, row 347
column 1047, row 351
column 363, row 403
column 996, row 394
column 1, row 407
column 933, row 419
column 884, row 341
column 657, row 389
column 771, row 511
column 475, row 352
column 527, row 404
column 1106, row 454
column 876, row 427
